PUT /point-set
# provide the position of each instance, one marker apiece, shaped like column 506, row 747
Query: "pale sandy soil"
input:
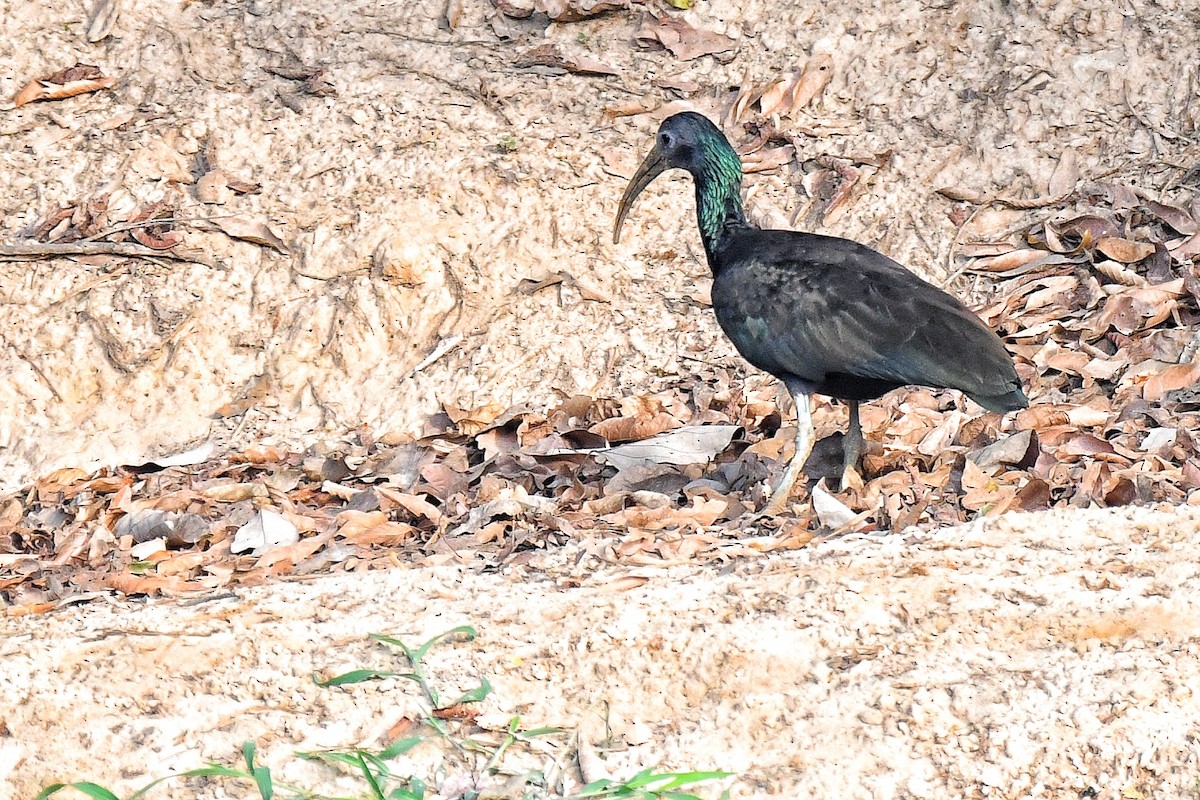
column 1052, row 655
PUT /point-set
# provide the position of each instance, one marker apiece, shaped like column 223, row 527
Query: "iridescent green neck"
column 718, row 191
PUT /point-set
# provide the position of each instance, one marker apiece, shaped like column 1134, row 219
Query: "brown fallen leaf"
column 798, row 89
column 372, row 527
column 684, row 41
column 631, row 429
column 1173, row 378
column 551, row 55
column 255, row 393
column 1012, row 260
column 559, row 10
column 213, row 187
column 631, row 107
column 460, row 711
column 1065, row 175
column 1124, row 250
column 254, row 231
column 127, row 583
column 76, row 80
column 1177, row 218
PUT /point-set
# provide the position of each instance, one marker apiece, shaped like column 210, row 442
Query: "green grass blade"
column 93, row 790
column 535, row 732
column 357, row 676
column 400, row 747
column 371, row 778
column 261, row 775
column 596, row 788
column 475, row 695
column 466, row 631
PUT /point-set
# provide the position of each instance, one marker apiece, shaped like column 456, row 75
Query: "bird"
column 822, row 314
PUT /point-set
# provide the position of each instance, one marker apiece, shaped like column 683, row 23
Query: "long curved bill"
column 652, row 165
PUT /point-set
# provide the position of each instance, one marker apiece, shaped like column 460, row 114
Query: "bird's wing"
column 813, row 311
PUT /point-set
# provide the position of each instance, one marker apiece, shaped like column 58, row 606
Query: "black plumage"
column 824, row 315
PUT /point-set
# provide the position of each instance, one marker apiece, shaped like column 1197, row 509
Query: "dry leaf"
column 684, row 41
column 1010, row 450
column 265, row 531
column 551, row 55
column 797, row 90
column 1065, row 175
column 625, row 429
column 254, row 231
column 76, row 80
column 1173, row 378
column 693, row 444
column 832, row 513
column 1124, row 250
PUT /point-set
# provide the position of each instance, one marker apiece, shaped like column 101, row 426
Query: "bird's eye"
column 666, row 140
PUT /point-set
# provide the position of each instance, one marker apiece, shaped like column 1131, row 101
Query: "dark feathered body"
column 850, row 323
column 824, row 315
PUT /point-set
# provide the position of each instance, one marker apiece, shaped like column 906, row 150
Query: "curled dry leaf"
column 831, row 512
column 1065, row 175
column 551, row 55
column 1037, row 417
column 76, row 80
column 1014, row 260
column 473, row 421
column 559, row 10
column 1119, row 273
column 104, row 16
column 626, row 429
column 1124, row 250
column 266, row 530
column 693, row 444
column 254, row 231
column 1083, row 230
column 213, row 187
column 797, row 89
column 701, row 513
column 372, row 528
column 684, row 41
column 768, row 159
column 1171, row 379
column 1010, row 450
column 1178, row 219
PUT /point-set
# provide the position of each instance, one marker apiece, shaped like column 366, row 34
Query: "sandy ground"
column 1053, row 655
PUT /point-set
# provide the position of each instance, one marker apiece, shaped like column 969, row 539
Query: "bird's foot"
column 776, row 506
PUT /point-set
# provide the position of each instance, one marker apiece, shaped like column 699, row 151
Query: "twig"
column 445, row 346
column 951, row 270
column 1025, row 204
column 148, row 223
column 24, row 251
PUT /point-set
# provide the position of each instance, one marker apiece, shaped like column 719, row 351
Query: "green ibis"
column 824, row 315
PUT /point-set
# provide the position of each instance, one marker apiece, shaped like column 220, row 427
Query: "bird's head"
column 686, row 141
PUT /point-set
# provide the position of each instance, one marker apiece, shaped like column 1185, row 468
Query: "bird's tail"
column 1009, row 401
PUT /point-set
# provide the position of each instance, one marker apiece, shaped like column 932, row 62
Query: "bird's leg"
column 852, row 445
column 805, row 437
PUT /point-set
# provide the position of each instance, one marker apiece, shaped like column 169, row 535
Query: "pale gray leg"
column 805, row 438
column 852, row 445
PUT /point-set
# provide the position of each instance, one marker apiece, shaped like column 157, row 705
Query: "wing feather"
column 814, row 306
